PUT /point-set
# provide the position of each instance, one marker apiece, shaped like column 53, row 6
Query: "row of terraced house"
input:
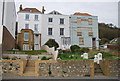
column 35, row 28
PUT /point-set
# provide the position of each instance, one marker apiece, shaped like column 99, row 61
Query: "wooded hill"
column 108, row 32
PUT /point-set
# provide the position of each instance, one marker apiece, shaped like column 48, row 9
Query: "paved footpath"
column 60, row 79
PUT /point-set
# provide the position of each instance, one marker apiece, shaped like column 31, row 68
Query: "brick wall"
column 8, row 40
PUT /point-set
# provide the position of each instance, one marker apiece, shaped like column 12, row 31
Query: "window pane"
column 50, row 19
column 36, row 27
column 81, row 41
column 79, row 33
column 26, row 36
column 26, row 26
column 90, row 21
column 26, row 47
column 49, row 31
column 36, row 17
column 61, row 31
column 27, row 17
column 61, row 21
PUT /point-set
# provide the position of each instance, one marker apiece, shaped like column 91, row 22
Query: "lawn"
column 35, row 52
column 71, row 56
column 77, row 56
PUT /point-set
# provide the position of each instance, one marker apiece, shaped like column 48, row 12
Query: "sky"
column 106, row 10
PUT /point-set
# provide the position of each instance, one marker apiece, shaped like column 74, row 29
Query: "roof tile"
column 85, row 14
column 32, row 10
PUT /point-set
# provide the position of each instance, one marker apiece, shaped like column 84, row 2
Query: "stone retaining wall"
column 13, row 66
column 69, row 68
column 110, row 67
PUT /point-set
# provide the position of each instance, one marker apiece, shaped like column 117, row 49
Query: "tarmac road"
column 60, row 79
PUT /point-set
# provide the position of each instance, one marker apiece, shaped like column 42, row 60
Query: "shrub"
column 60, row 51
column 83, row 50
column 6, row 57
column 75, row 48
column 14, row 58
column 45, row 58
column 52, row 43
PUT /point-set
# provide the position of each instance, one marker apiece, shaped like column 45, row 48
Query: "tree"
column 52, row 43
column 75, row 48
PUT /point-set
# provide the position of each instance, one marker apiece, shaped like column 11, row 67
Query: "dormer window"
column 55, row 13
column 30, row 10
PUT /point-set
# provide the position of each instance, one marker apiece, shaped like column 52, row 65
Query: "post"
column 21, row 68
column 91, row 68
column 37, row 67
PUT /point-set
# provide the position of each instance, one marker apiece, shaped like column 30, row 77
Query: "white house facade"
column 30, row 18
column 7, row 24
column 56, row 26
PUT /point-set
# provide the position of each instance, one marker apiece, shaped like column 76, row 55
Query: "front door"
column 94, row 43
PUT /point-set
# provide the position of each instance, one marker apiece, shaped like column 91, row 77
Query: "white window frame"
column 50, row 32
column 35, row 27
column 26, row 47
column 26, row 26
column 62, row 31
column 62, row 22
column 27, row 17
column 50, row 20
column 36, row 17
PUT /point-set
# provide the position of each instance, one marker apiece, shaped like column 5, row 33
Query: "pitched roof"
column 55, row 13
column 31, row 10
column 85, row 14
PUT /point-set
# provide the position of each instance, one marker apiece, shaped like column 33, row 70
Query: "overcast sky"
column 106, row 11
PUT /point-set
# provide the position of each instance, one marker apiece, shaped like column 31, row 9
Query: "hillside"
column 108, row 32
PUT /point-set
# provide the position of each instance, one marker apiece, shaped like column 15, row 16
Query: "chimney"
column 20, row 8
column 43, row 10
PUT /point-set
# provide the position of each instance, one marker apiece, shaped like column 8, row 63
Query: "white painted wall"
column 56, row 28
column 31, row 22
column 44, row 25
column 1, row 27
column 9, row 17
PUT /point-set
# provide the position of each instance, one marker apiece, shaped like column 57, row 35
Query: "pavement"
column 34, row 78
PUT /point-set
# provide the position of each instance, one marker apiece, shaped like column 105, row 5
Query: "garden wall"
column 110, row 67
column 69, row 68
column 13, row 66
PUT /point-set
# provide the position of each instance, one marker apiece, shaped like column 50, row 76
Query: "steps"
column 98, row 71
column 30, row 69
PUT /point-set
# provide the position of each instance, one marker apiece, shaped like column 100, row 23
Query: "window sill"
column 36, row 20
column 49, row 35
column 61, row 24
column 62, row 35
column 27, row 19
column 26, row 41
column 81, row 44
